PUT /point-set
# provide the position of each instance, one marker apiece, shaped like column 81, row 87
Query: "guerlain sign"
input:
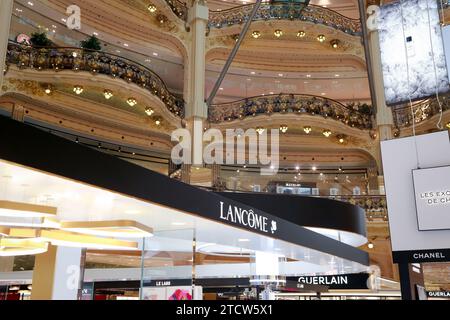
column 432, row 192
column 247, row 218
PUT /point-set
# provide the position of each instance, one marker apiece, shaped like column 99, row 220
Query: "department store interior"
column 94, row 205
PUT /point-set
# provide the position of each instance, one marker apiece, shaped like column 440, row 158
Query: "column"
column 56, row 274
column 186, row 173
column 18, row 112
column 196, row 109
column 215, row 177
column 6, row 8
column 384, row 118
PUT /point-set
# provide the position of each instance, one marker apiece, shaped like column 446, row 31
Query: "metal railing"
column 354, row 115
column 95, row 62
column 423, row 110
column 268, row 11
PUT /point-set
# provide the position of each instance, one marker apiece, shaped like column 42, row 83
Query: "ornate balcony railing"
column 267, row 11
column 178, row 8
column 403, row 115
column 95, row 62
column 357, row 115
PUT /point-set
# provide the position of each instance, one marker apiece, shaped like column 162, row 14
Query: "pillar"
column 196, row 109
column 56, row 274
column 18, row 112
column 384, row 117
column 6, row 9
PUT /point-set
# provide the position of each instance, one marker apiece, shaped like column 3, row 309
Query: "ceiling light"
column 108, row 94
column 297, row 168
column 76, row 240
column 307, row 129
column 22, row 247
column 152, row 8
column 132, row 102
column 119, row 229
column 327, row 133
column 284, row 128
column 25, row 210
column 370, row 245
column 314, row 168
column 256, row 34
column 321, row 38
column 278, row 33
column 341, row 139
column 308, row 76
column 126, row 45
column 253, row 73
column 301, row 34
column 280, row 75
column 178, row 224
column 78, row 89
column 149, row 111
column 260, row 130
column 244, row 240
column 335, row 44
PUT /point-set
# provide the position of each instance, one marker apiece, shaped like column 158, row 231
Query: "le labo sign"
column 356, row 281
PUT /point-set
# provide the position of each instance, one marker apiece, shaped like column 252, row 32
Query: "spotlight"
column 327, row 133
column 301, row 34
column 321, row 38
column 78, row 89
column 149, row 111
column 341, row 139
column 335, row 44
column 307, row 129
column 256, row 34
column 284, row 128
column 260, row 130
column 108, row 94
column 152, row 8
column 278, row 33
column 132, row 102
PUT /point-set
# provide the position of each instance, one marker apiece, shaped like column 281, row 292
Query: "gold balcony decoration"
column 284, row 128
column 307, row 129
column 281, row 11
column 301, row 34
column 96, row 62
column 108, row 94
column 355, row 115
column 423, row 110
column 448, row 125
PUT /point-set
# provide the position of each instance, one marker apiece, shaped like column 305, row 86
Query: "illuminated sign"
column 412, row 51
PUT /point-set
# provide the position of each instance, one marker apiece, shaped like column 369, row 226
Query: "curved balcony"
column 358, row 115
column 95, row 62
column 267, row 11
column 178, row 8
column 424, row 110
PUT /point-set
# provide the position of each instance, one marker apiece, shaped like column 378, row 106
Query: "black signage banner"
column 168, row 283
column 438, row 294
column 421, row 256
column 356, row 281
